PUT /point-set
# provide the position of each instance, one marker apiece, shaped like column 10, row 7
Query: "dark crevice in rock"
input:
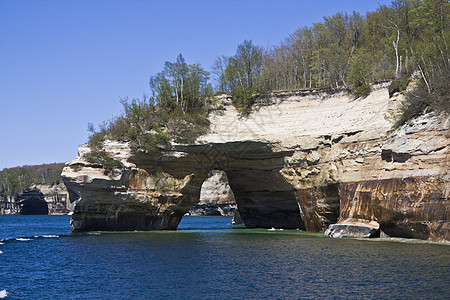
column 352, row 133
column 386, row 155
column 401, row 157
column 390, row 156
column 413, row 230
column 337, row 139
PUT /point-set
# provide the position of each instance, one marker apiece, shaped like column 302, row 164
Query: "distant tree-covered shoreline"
column 13, row 181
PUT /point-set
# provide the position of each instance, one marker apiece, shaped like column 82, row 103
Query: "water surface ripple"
column 209, row 259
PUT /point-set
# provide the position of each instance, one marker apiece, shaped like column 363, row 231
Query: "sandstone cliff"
column 32, row 202
column 302, row 159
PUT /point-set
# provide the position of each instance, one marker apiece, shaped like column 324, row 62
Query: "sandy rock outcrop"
column 302, row 159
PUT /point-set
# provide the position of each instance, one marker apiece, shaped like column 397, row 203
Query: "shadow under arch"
column 263, row 196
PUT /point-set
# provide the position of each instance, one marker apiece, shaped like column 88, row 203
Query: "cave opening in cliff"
column 32, row 202
column 265, row 199
column 216, row 196
column 256, row 198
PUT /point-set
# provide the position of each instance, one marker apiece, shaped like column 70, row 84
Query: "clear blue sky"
column 65, row 63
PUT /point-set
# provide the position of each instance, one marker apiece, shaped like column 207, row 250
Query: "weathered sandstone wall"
column 301, row 160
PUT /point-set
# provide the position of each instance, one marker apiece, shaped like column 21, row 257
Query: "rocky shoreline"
column 307, row 161
column 51, row 199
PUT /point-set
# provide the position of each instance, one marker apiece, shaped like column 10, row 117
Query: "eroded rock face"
column 412, row 207
column 129, row 199
column 302, row 160
column 167, row 184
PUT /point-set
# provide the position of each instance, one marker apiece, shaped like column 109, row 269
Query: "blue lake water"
column 207, row 258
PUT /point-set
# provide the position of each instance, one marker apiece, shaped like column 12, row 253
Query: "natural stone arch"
column 167, row 183
column 263, row 196
column 341, row 167
column 265, row 199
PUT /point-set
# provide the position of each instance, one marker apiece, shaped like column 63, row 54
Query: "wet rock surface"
column 353, row 228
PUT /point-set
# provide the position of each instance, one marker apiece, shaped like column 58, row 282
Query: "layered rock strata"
column 301, row 160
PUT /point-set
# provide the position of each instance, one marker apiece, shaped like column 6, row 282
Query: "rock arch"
column 167, row 184
column 328, row 158
column 264, row 198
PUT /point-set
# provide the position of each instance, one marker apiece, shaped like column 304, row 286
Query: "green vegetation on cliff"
column 14, row 181
column 350, row 52
column 176, row 111
column 343, row 51
column 243, row 75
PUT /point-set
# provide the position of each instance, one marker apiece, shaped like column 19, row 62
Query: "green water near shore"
column 207, row 258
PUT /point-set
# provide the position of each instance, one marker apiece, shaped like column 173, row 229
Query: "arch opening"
column 265, row 199
column 216, row 197
column 263, row 196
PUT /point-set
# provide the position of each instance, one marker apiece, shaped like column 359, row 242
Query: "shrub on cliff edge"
column 102, row 157
column 425, row 98
column 177, row 112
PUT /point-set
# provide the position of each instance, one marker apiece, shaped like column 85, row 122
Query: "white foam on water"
column 48, row 236
column 3, row 294
column 1, row 252
column 23, row 239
